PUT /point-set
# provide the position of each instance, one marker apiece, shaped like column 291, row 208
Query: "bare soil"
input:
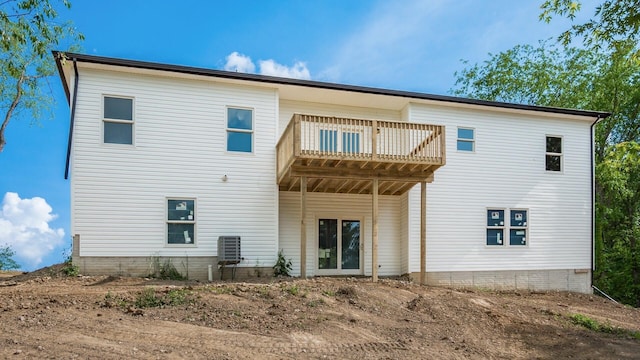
column 45, row 314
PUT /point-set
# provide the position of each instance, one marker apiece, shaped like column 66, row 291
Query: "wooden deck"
column 343, row 155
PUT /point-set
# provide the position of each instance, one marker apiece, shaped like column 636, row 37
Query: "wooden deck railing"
column 322, row 137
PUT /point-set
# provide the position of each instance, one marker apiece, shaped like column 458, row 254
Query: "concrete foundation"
column 193, row 268
column 576, row 280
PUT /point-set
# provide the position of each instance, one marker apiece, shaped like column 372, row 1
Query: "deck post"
column 374, row 232
column 303, row 227
column 423, row 232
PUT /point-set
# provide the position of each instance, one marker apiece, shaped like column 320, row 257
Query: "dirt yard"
column 47, row 315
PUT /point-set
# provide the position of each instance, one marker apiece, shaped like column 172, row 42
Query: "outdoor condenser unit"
column 229, row 249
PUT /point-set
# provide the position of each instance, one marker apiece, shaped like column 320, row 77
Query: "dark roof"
column 308, row 83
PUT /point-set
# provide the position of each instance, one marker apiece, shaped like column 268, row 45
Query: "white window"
column 239, row 130
column 518, row 227
column 495, row 227
column 553, row 158
column 117, row 115
column 515, row 227
column 466, row 139
column 181, row 221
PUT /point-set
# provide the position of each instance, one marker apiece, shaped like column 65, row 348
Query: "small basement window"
column 466, row 139
column 239, row 130
column 553, row 158
column 117, row 120
column 181, row 221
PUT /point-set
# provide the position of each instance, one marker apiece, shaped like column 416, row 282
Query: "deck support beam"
column 303, row 227
column 374, row 232
column 423, row 232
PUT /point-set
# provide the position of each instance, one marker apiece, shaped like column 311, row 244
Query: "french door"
column 339, row 247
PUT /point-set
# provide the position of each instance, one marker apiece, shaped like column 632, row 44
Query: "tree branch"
column 12, row 107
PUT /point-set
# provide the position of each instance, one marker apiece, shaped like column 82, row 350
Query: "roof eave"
column 309, row 83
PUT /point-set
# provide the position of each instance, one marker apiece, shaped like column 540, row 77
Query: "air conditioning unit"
column 229, row 249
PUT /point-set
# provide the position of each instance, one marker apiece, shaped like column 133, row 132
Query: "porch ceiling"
column 355, row 177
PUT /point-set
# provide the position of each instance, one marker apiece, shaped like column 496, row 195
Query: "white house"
column 345, row 180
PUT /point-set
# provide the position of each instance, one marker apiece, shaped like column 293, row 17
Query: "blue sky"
column 401, row 44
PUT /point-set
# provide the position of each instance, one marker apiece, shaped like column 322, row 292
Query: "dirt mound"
column 47, row 315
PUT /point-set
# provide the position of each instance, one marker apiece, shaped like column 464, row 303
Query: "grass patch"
column 149, row 297
column 329, row 293
column 316, row 303
column 595, row 325
column 293, row 290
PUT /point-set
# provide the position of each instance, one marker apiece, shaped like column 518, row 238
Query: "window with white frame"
column 117, row 115
column 239, row 130
column 181, row 221
column 507, row 231
column 518, row 227
column 553, row 155
column 495, row 227
column 466, row 139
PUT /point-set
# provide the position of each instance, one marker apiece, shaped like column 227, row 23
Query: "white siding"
column 288, row 108
column 321, row 205
column 507, row 170
column 119, row 192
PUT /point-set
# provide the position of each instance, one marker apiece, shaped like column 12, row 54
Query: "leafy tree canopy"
column 29, row 30
column 614, row 21
column 551, row 74
column 6, row 259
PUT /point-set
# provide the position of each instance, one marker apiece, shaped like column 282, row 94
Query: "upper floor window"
column 239, row 130
column 117, row 120
column 466, row 139
column 553, row 158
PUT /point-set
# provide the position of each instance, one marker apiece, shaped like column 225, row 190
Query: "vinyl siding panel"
column 343, row 206
column 119, row 191
column 507, row 170
column 288, row 108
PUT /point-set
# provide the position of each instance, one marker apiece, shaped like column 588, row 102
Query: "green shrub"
column 165, row 270
column 283, row 266
column 6, row 259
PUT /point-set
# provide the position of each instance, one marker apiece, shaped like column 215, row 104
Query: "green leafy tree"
column 6, row 259
column 613, row 21
column 551, row 74
column 28, row 32
column 619, row 206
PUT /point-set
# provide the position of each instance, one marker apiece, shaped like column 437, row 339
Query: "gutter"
column 593, row 195
column 72, row 120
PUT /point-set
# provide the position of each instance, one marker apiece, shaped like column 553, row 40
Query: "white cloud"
column 240, row 63
column 24, row 225
column 297, row 71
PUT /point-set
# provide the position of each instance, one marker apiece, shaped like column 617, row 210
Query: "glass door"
column 339, row 246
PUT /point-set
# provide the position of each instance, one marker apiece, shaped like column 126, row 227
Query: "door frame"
column 316, row 231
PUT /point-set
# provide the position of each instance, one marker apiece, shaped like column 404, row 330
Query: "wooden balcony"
column 342, row 155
